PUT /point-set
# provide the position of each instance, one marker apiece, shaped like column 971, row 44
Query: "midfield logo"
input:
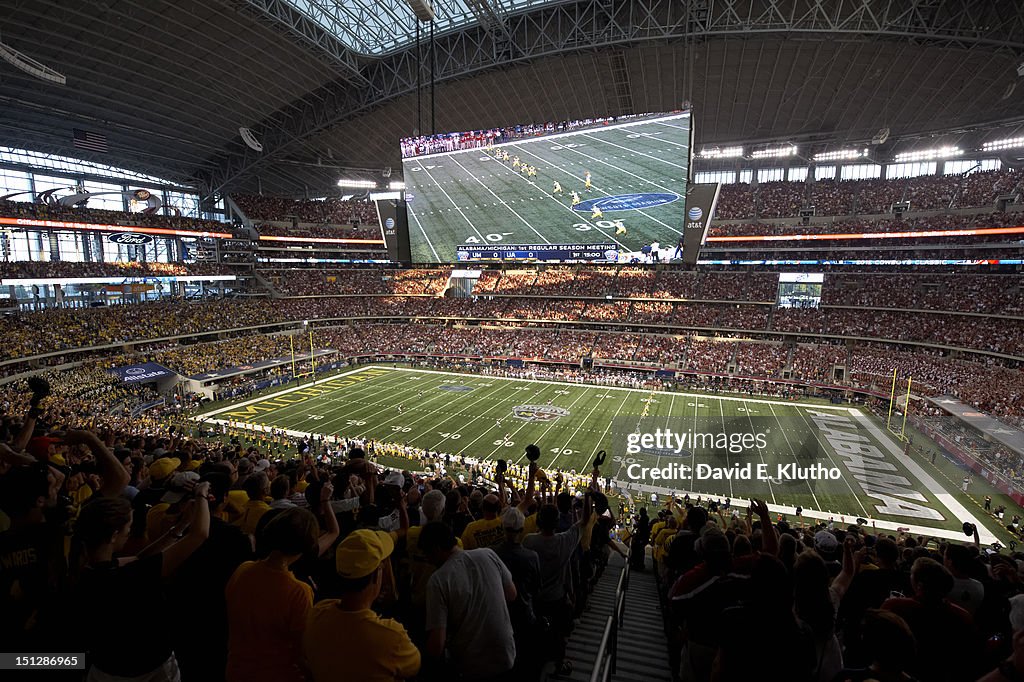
column 539, row 413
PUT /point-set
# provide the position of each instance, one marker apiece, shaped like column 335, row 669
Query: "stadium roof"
column 329, row 85
column 376, row 27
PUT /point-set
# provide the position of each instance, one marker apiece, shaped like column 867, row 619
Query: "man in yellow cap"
column 344, row 638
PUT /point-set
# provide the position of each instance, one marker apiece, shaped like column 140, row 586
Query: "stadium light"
column 396, row 185
column 841, row 154
column 928, row 154
column 1007, row 143
column 773, row 152
column 723, row 153
column 361, row 184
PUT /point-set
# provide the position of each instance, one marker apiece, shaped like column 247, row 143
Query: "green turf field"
column 470, row 198
column 491, row 417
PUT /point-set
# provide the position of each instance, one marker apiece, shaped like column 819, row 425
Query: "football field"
column 488, row 417
column 638, row 180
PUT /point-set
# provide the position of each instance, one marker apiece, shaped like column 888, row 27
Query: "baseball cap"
column 163, row 467
column 394, row 478
column 512, row 519
column 824, row 541
column 263, row 465
column 245, row 466
column 179, row 485
column 361, row 552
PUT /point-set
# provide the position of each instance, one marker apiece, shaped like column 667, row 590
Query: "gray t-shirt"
column 466, row 596
column 554, row 552
column 967, row 593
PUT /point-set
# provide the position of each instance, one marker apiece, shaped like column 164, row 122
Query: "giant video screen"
column 615, row 185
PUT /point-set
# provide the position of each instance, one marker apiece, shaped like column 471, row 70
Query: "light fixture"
column 928, row 154
column 723, row 153
column 396, row 185
column 361, row 184
column 773, row 152
column 1008, row 143
column 422, row 9
column 841, row 154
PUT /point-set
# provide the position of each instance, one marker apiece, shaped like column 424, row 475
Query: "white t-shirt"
column 466, row 596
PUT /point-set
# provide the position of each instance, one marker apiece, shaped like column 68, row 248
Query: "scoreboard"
column 545, row 253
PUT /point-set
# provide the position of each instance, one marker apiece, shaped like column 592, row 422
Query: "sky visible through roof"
column 377, row 27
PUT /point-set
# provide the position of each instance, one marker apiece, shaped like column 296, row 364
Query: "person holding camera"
column 108, row 587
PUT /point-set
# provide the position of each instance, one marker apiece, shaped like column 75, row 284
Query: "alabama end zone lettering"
column 303, row 394
column 868, row 466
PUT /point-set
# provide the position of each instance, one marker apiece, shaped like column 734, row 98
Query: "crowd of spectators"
column 833, row 601
column 475, row 139
column 991, row 334
column 98, row 509
column 313, row 232
column 988, row 294
column 320, row 212
column 760, row 359
column 320, row 282
column 990, row 387
column 815, row 362
column 915, row 224
column 83, row 214
column 830, row 197
column 69, row 269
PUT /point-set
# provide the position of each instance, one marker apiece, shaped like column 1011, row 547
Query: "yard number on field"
column 493, row 237
column 603, row 224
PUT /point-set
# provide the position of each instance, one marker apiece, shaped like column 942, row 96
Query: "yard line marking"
column 674, row 165
column 620, row 187
column 721, row 409
column 411, row 212
column 755, row 401
column 514, row 212
column 474, row 418
column 582, row 422
column 353, row 413
column 792, row 451
column 513, row 433
column 452, row 201
column 440, row 394
column 607, row 428
column 576, row 215
column 828, row 452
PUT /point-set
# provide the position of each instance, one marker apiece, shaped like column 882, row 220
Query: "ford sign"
column 695, row 213
column 130, row 238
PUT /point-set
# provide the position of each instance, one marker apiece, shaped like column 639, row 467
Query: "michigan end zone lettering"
column 302, row 394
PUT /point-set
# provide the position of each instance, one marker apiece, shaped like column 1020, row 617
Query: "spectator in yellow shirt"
column 485, row 532
column 344, row 638
column 268, row 606
column 257, row 487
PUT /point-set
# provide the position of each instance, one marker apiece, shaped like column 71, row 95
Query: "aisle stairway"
column 642, row 654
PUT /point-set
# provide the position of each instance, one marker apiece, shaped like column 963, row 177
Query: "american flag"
column 93, row 142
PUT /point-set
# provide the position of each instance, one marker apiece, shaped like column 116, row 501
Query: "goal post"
column 295, row 372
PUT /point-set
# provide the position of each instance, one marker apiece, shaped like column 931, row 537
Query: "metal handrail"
column 603, row 664
column 607, row 652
